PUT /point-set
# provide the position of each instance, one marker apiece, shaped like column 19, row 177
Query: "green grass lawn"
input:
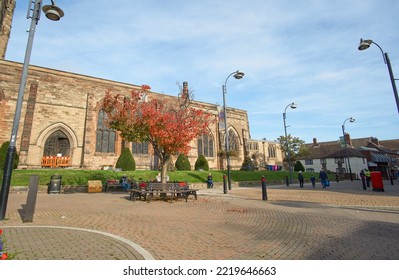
column 80, row 177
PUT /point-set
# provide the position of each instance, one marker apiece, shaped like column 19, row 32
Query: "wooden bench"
column 183, row 189
column 162, row 190
column 112, row 183
column 116, row 184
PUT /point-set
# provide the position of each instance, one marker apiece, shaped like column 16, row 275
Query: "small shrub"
column 182, row 163
column 126, row 161
column 201, row 163
column 248, row 164
column 299, row 166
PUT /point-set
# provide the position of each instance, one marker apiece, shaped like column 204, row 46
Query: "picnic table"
column 153, row 190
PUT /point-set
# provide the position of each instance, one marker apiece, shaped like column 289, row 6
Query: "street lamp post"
column 238, row 75
column 346, row 147
column 293, row 106
column 53, row 13
column 365, row 44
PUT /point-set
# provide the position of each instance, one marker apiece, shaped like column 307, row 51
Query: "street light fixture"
column 346, row 148
column 365, row 44
column 237, row 75
column 292, row 106
column 53, row 13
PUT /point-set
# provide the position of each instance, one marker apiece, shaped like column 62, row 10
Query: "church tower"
column 6, row 13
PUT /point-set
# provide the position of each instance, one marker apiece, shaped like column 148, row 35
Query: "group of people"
column 322, row 176
column 126, row 183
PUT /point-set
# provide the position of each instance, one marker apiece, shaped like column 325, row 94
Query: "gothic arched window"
column 205, row 145
column 105, row 136
column 233, row 141
column 272, row 151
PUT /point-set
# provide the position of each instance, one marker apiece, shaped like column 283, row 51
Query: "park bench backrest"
column 161, row 186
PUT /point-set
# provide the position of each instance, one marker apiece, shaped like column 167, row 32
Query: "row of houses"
column 363, row 153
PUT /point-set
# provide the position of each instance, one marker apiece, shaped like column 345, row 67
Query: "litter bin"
column 376, row 181
column 55, row 184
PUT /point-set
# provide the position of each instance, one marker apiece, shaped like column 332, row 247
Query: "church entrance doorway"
column 57, row 145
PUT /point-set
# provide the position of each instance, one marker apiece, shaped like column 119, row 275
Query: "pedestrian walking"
column 300, row 179
column 313, row 180
column 363, row 177
column 368, row 177
column 324, row 179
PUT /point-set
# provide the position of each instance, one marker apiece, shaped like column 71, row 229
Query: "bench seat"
column 162, row 190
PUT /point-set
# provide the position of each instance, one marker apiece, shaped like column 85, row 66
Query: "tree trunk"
column 164, row 173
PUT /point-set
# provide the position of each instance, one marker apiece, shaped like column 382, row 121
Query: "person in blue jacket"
column 323, row 179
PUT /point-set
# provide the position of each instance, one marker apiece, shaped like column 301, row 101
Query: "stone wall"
column 57, row 100
column 6, row 13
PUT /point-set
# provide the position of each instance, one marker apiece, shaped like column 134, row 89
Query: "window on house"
column 339, row 160
column 310, row 170
column 323, row 161
column 308, row 161
column 105, row 136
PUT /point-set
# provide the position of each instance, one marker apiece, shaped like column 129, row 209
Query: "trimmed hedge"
column 201, row 163
column 3, row 155
column 126, row 161
column 182, row 163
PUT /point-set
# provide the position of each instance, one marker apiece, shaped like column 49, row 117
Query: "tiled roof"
column 392, row 145
column 330, row 150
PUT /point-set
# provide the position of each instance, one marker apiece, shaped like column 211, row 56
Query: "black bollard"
column 264, row 190
column 224, row 184
column 286, row 181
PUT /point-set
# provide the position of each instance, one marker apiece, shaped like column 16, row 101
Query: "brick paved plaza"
column 343, row 222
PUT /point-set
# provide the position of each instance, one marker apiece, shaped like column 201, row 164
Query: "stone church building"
column 62, row 126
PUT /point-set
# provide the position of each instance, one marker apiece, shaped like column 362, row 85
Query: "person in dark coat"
column 209, row 181
column 313, row 180
column 300, row 179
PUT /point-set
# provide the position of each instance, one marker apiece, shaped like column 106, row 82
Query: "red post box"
column 376, row 181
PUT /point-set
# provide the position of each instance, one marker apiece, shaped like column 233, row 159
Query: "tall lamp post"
column 53, row 13
column 238, row 75
column 346, row 147
column 365, row 44
column 292, row 106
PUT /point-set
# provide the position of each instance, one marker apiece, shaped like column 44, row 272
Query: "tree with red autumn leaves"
column 168, row 126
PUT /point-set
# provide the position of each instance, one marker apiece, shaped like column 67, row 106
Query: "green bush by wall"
column 126, row 161
column 182, row 163
column 3, row 155
column 201, row 163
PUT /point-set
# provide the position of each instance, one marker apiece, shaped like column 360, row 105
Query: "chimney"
column 348, row 139
column 375, row 141
column 315, row 144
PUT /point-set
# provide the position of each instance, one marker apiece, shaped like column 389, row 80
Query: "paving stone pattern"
column 343, row 222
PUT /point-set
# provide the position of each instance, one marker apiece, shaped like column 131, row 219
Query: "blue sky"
column 290, row 51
